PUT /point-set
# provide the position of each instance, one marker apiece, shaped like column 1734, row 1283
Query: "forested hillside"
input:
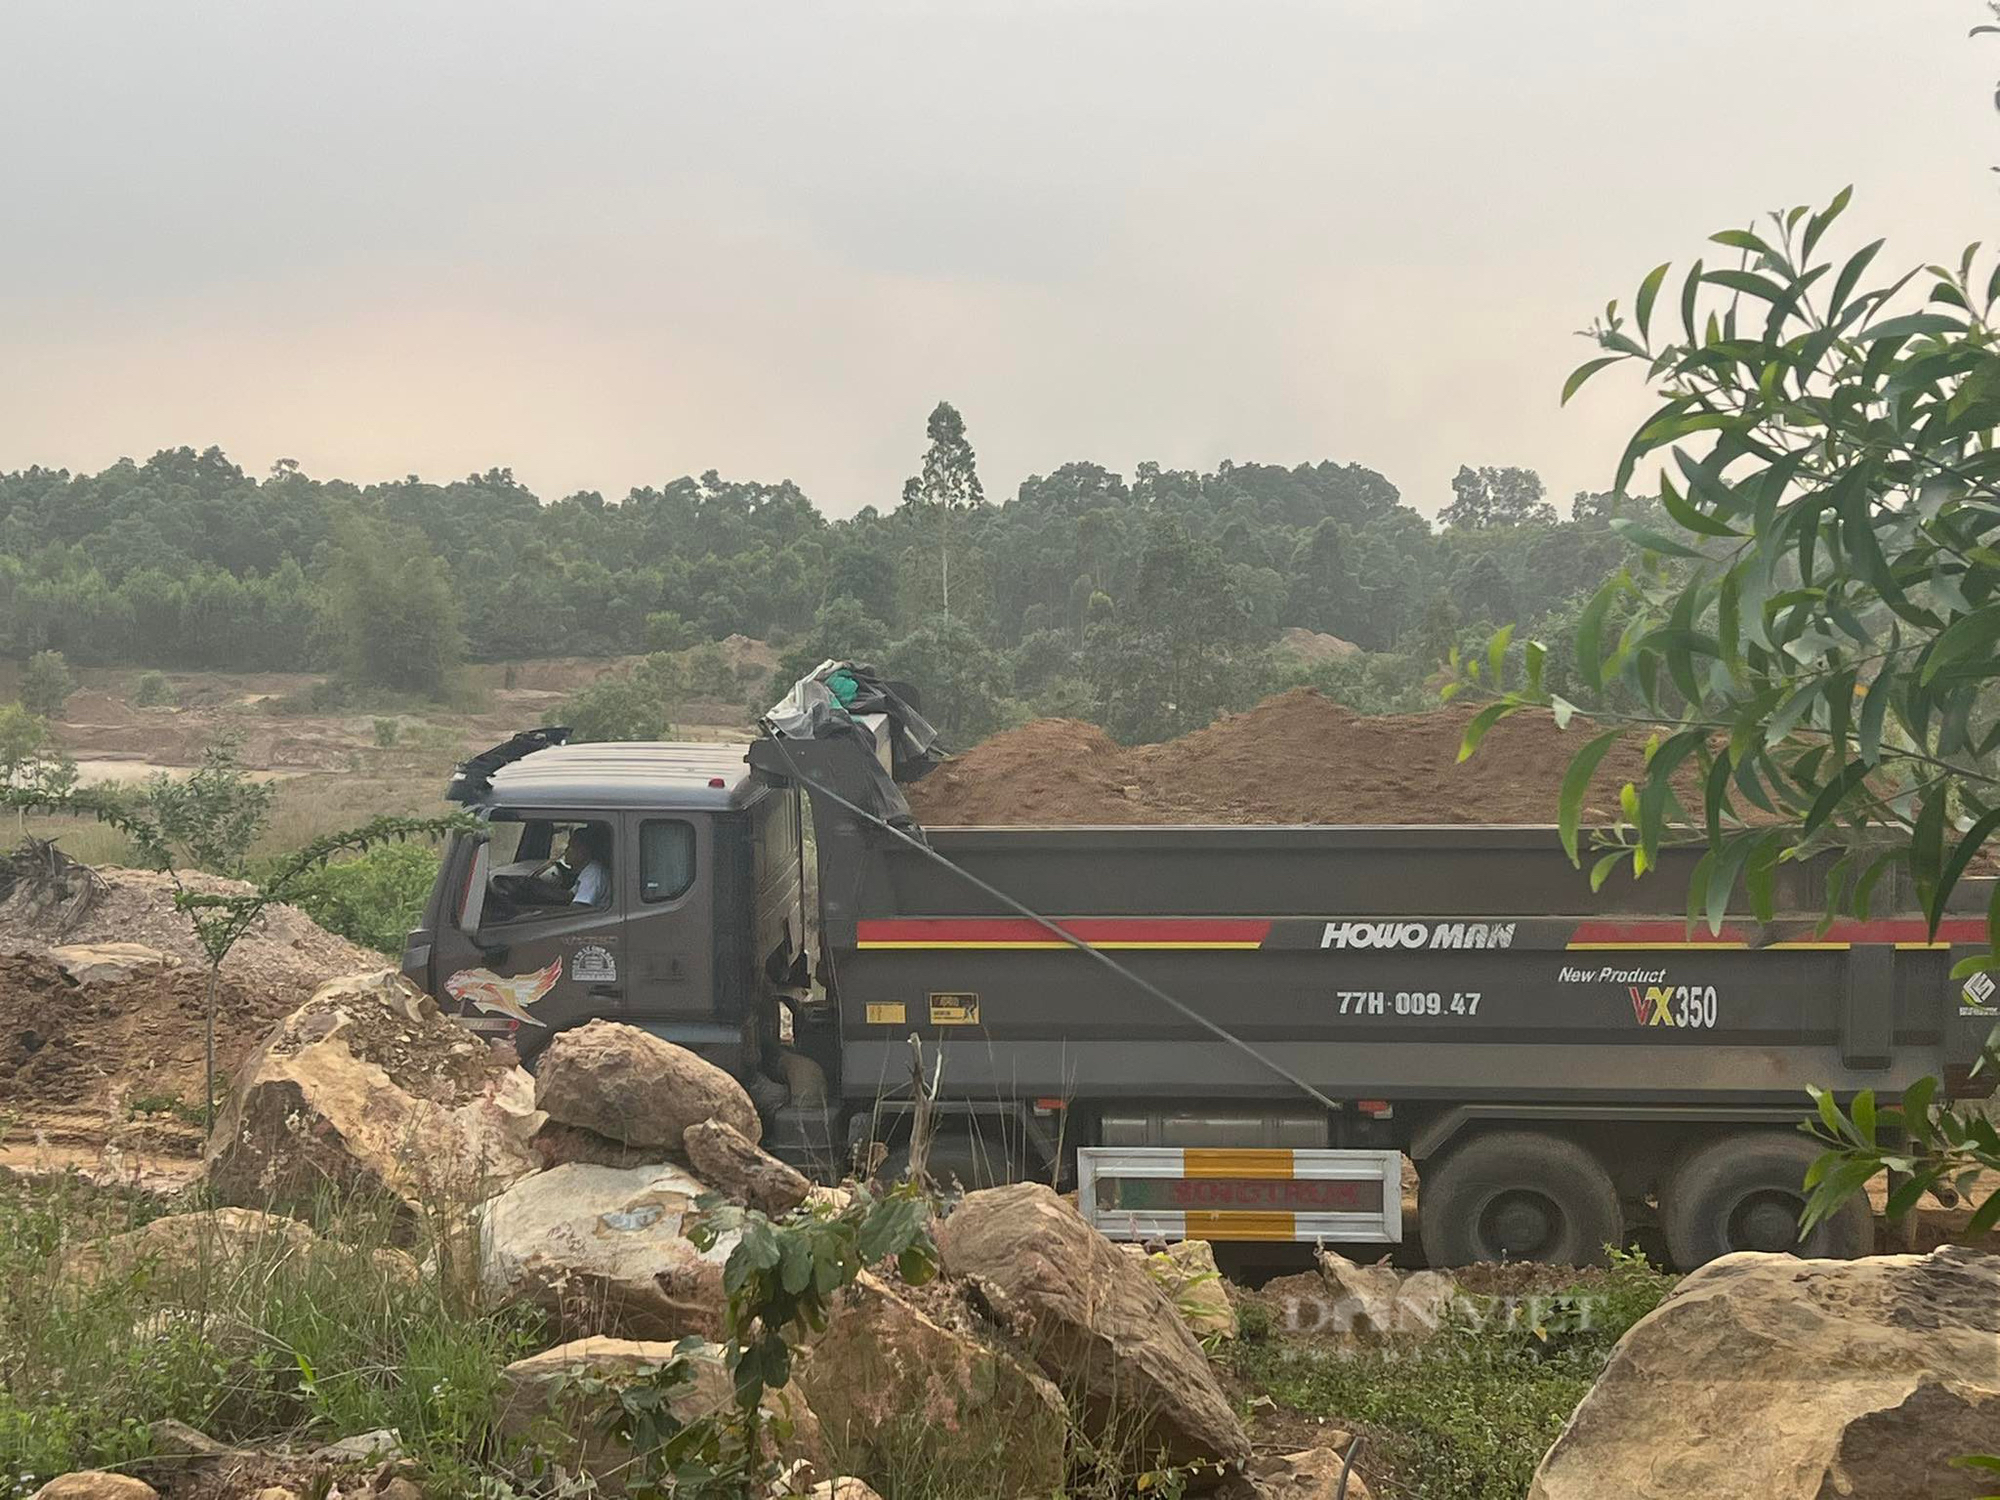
column 1147, row 602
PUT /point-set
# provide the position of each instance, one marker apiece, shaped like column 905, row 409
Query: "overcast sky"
column 610, row 243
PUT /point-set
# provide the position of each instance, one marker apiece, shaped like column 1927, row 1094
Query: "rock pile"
column 628, row 1087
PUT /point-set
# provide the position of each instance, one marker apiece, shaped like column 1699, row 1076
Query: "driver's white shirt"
column 591, row 885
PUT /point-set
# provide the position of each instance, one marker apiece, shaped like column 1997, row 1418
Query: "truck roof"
column 628, row 773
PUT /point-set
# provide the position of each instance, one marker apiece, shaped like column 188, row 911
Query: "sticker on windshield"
column 593, row 963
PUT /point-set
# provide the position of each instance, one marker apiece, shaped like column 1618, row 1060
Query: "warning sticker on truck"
column 954, row 1008
column 886, row 1015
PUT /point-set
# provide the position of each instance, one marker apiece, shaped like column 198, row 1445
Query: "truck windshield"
column 542, row 867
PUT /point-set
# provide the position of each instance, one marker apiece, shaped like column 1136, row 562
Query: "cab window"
column 540, row 868
column 666, row 859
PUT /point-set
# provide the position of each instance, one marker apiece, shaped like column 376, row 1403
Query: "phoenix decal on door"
column 509, row 995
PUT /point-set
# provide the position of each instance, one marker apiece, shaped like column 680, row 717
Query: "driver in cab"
column 588, row 855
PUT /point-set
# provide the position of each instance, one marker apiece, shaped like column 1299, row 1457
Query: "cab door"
column 670, row 933
column 533, row 967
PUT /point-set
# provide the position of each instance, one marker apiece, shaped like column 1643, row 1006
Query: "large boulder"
column 558, row 1399
column 1100, row 1326
column 1187, row 1273
column 629, row 1086
column 200, row 1252
column 367, row 1089
column 1786, row 1379
column 603, row 1249
column 883, row 1369
column 741, row 1170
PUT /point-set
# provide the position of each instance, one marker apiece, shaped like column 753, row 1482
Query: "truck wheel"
column 1518, row 1195
column 1744, row 1192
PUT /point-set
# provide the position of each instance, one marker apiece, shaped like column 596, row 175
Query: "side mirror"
column 474, row 905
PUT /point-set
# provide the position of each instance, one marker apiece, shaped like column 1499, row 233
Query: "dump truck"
column 1560, row 1065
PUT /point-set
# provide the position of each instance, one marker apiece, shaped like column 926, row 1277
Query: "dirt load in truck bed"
column 1295, row 758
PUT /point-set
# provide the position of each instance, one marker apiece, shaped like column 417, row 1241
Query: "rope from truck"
column 1056, row 929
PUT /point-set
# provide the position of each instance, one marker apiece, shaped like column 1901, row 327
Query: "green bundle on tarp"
column 842, row 685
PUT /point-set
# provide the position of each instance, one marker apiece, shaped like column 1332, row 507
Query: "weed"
column 254, row 1345
column 171, row 1105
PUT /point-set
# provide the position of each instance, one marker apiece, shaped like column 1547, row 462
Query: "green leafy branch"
column 781, row 1278
column 1815, row 647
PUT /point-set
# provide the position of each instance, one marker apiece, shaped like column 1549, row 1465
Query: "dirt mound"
column 111, row 1049
column 1050, row 771
column 79, row 1061
column 89, row 707
column 1295, row 758
column 285, row 953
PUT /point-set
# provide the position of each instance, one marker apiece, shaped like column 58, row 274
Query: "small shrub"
column 47, row 684
column 637, row 706
column 373, row 900
column 325, row 696
column 154, row 691
column 387, row 732
column 1253, row 1321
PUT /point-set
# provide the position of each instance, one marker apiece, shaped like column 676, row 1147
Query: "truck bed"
column 1460, row 964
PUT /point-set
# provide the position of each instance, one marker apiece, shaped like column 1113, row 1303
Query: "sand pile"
column 1295, row 758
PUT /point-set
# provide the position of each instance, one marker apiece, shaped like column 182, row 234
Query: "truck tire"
column 1744, row 1192
column 1518, row 1195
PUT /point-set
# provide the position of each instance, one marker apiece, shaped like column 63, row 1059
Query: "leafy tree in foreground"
column 1816, row 636
column 214, row 815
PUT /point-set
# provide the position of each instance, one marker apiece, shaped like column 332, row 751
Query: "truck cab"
column 655, row 884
